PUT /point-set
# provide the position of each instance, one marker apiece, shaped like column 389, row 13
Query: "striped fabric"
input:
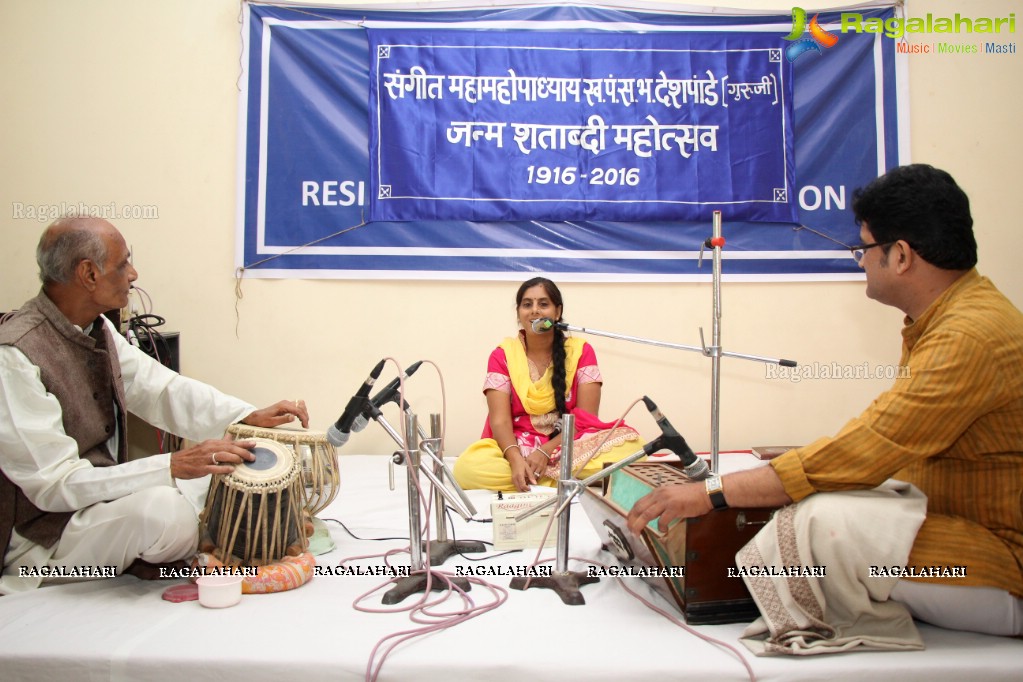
column 954, row 428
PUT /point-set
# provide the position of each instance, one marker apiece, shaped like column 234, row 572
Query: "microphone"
column 694, row 467
column 544, row 324
column 339, row 432
column 386, row 395
column 390, row 391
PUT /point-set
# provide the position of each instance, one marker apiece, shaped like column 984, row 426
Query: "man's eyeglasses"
column 858, row 251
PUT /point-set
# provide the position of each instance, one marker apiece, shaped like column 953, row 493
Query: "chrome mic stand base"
column 414, row 584
column 565, row 584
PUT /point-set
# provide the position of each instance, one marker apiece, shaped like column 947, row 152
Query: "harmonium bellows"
column 704, row 548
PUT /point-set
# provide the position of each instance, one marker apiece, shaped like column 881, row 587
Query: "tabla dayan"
column 255, row 514
column 316, row 456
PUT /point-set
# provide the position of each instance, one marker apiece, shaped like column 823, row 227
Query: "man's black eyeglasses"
column 858, row 251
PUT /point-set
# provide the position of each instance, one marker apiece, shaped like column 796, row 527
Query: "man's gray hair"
column 63, row 246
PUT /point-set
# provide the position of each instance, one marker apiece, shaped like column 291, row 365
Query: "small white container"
column 219, row 591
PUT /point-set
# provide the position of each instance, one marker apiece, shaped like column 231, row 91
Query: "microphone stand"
column 563, row 581
column 716, row 241
column 714, row 351
column 410, row 457
column 567, row 583
column 441, row 548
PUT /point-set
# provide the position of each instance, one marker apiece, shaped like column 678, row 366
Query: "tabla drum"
column 254, row 515
column 316, row 456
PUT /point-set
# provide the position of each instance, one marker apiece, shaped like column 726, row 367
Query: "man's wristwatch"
column 716, row 492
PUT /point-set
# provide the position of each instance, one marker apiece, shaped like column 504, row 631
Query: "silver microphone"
column 544, row 324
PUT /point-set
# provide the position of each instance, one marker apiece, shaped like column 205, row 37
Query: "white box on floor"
column 527, row 533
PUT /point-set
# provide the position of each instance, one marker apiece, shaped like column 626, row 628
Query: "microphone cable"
column 141, row 332
column 428, row 612
column 643, row 600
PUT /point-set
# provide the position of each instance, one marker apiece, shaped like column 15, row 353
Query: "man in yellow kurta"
column 953, row 426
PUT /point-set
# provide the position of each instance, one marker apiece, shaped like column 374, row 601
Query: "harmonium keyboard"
column 693, row 557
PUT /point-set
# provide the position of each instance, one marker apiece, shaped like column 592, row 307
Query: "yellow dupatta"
column 538, row 398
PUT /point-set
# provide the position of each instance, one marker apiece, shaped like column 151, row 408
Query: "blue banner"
column 518, row 125
column 308, row 195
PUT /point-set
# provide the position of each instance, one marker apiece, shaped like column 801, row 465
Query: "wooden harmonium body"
column 704, row 547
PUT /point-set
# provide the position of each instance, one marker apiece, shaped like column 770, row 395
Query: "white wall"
column 135, row 103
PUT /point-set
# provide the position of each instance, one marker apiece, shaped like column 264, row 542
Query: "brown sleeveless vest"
column 83, row 372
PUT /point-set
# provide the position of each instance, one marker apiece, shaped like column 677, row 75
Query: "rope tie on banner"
column 797, row 228
column 240, row 271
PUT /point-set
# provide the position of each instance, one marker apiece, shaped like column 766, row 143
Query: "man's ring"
column 214, row 456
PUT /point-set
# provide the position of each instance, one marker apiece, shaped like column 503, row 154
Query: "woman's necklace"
column 541, row 359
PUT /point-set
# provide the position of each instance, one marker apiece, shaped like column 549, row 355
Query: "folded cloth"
column 809, row 571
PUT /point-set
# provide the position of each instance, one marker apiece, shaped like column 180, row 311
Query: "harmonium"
column 703, row 548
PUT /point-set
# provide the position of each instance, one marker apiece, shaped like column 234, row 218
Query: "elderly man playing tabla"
column 69, row 498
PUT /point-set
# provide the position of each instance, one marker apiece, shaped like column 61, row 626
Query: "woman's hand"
column 522, row 475
column 526, row 471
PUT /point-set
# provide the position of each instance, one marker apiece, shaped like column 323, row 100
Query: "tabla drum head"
column 275, row 466
column 316, row 456
column 254, row 514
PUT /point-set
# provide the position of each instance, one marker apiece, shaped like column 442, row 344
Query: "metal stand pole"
column 563, row 581
column 716, row 242
column 420, row 578
column 412, row 492
column 432, row 448
column 441, row 548
column 567, row 451
column 713, row 351
column 577, row 486
column 461, row 504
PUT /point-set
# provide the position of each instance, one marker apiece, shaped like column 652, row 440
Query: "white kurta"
column 41, row 459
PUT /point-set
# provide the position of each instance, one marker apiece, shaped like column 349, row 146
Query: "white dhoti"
column 835, row 601
column 157, row 525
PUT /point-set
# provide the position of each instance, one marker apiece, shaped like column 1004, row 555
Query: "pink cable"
column 432, row 620
column 643, row 600
column 425, row 611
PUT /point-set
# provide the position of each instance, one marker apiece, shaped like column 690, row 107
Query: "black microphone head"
column 355, row 406
column 390, row 392
column 544, row 324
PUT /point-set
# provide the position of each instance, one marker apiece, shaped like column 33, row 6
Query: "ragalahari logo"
column 818, row 36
